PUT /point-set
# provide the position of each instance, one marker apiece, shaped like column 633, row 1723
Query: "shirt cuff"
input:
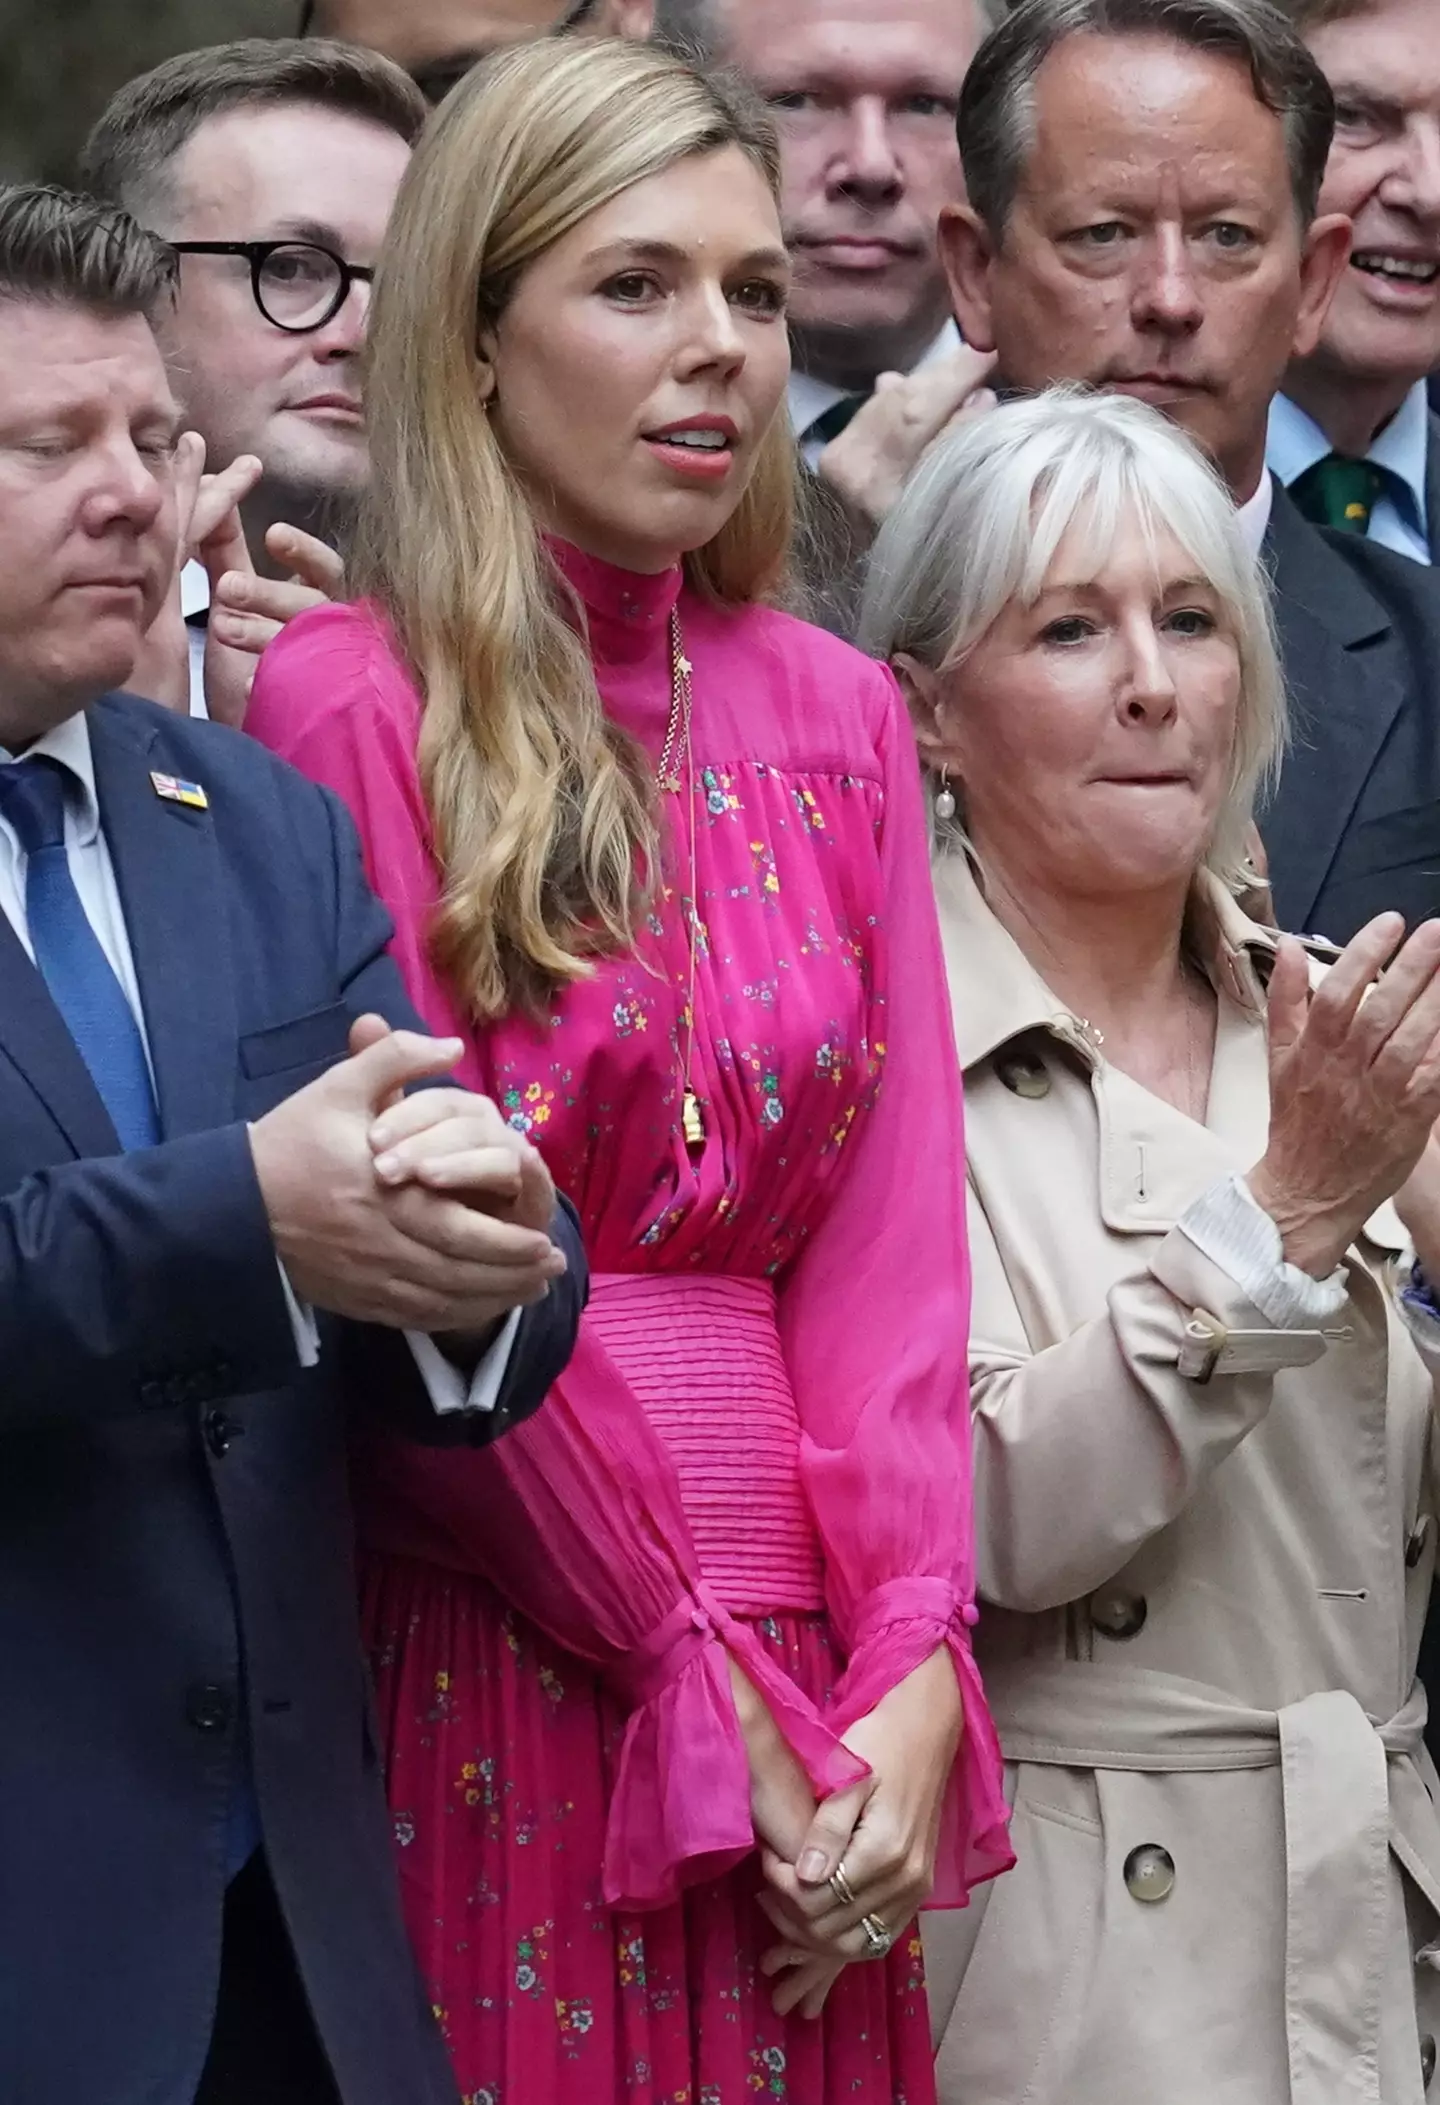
column 1228, row 1225
column 302, row 1322
column 447, row 1387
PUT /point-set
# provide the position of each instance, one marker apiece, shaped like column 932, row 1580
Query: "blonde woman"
column 671, row 1705
column 1203, row 1388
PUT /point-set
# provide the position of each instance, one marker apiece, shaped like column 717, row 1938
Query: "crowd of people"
column 605, row 609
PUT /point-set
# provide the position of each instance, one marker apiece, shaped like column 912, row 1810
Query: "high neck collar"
column 628, row 611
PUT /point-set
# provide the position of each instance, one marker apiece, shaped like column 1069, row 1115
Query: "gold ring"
column 878, row 1936
column 841, row 1887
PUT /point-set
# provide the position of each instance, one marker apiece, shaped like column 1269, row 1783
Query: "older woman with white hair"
column 1201, row 1377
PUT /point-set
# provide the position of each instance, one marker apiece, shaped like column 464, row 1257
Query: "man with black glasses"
column 271, row 166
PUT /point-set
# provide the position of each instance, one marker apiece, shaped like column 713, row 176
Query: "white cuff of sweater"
column 1230, row 1227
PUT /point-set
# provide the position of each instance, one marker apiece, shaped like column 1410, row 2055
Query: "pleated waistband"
column 702, row 1353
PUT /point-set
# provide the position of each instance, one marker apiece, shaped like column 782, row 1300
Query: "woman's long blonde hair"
column 543, row 812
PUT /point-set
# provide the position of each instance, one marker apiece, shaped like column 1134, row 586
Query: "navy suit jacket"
column 1354, row 826
column 176, row 1561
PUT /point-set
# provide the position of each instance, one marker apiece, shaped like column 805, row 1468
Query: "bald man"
column 438, row 40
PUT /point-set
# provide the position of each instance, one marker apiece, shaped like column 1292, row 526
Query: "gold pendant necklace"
column 677, row 740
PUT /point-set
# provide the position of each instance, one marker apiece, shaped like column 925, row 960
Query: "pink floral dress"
column 761, row 1446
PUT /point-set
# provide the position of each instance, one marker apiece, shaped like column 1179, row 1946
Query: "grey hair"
column 996, row 118
column 979, row 521
column 695, row 29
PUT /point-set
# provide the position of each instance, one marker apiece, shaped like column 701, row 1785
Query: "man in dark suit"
column 205, row 1160
column 1352, row 437
column 1142, row 218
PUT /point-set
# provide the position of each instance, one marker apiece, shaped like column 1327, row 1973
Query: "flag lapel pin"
column 174, row 791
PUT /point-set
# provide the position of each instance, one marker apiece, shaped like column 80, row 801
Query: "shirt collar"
column 810, row 398
column 1296, row 443
column 1254, row 515
column 1403, row 447
column 69, row 743
column 194, row 589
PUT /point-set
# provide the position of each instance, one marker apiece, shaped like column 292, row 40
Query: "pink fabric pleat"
column 702, row 1354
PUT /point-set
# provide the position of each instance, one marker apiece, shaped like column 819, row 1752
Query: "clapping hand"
column 1354, row 1086
column 406, row 1247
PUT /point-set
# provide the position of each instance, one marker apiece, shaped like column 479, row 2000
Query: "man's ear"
column 1322, row 265
column 966, row 255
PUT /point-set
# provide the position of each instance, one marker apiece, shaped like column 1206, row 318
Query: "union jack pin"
column 175, row 791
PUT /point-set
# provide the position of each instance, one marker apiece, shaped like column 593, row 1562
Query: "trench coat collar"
column 1000, row 996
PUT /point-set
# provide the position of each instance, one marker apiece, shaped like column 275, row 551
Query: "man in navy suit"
column 206, row 1159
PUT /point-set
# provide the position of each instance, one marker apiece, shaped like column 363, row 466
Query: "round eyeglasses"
column 297, row 285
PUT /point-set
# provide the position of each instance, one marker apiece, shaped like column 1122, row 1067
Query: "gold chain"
column 678, row 738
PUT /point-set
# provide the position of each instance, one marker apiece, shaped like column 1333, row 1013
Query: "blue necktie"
column 68, row 952
column 85, row 990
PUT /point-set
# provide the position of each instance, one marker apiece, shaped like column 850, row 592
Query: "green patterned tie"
column 1339, row 492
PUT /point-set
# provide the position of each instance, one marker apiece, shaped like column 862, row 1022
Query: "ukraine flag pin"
column 174, row 791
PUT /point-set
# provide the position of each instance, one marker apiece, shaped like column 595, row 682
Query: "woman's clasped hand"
column 866, row 1860
column 1355, row 1086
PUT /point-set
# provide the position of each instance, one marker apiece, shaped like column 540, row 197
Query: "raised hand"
column 1354, row 1086
column 409, row 1257
column 203, row 505
column 870, row 462
column 248, row 611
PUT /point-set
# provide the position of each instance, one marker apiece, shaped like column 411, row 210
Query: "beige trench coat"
column 1205, row 1602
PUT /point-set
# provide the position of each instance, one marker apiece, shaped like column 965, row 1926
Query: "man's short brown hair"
column 128, row 154
column 69, row 251
column 996, row 121
column 1319, row 14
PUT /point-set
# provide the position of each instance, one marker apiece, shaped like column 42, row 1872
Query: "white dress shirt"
column 93, row 873
column 195, row 599
column 1254, row 514
column 810, row 398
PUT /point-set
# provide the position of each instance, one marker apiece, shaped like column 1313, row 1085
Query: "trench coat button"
column 1427, row 2058
column 1149, row 1873
column 208, row 1708
column 1118, row 1615
column 1024, row 1075
column 1419, row 1537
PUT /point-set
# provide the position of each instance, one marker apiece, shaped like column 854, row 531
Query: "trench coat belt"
column 1353, row 1796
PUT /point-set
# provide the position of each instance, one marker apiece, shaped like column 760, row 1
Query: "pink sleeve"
column 576, row 1514
column 874, row 1319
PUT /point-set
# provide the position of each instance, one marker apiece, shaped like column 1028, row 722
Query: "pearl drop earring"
column 944, row 800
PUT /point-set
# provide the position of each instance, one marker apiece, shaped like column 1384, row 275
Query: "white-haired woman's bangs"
column 1094, row 493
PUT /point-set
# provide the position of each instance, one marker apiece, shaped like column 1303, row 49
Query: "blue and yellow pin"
column 174, row 791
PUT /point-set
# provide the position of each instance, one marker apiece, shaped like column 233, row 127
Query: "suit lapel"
column 167, row 868
column 33, row 1036
column 1345, row 673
